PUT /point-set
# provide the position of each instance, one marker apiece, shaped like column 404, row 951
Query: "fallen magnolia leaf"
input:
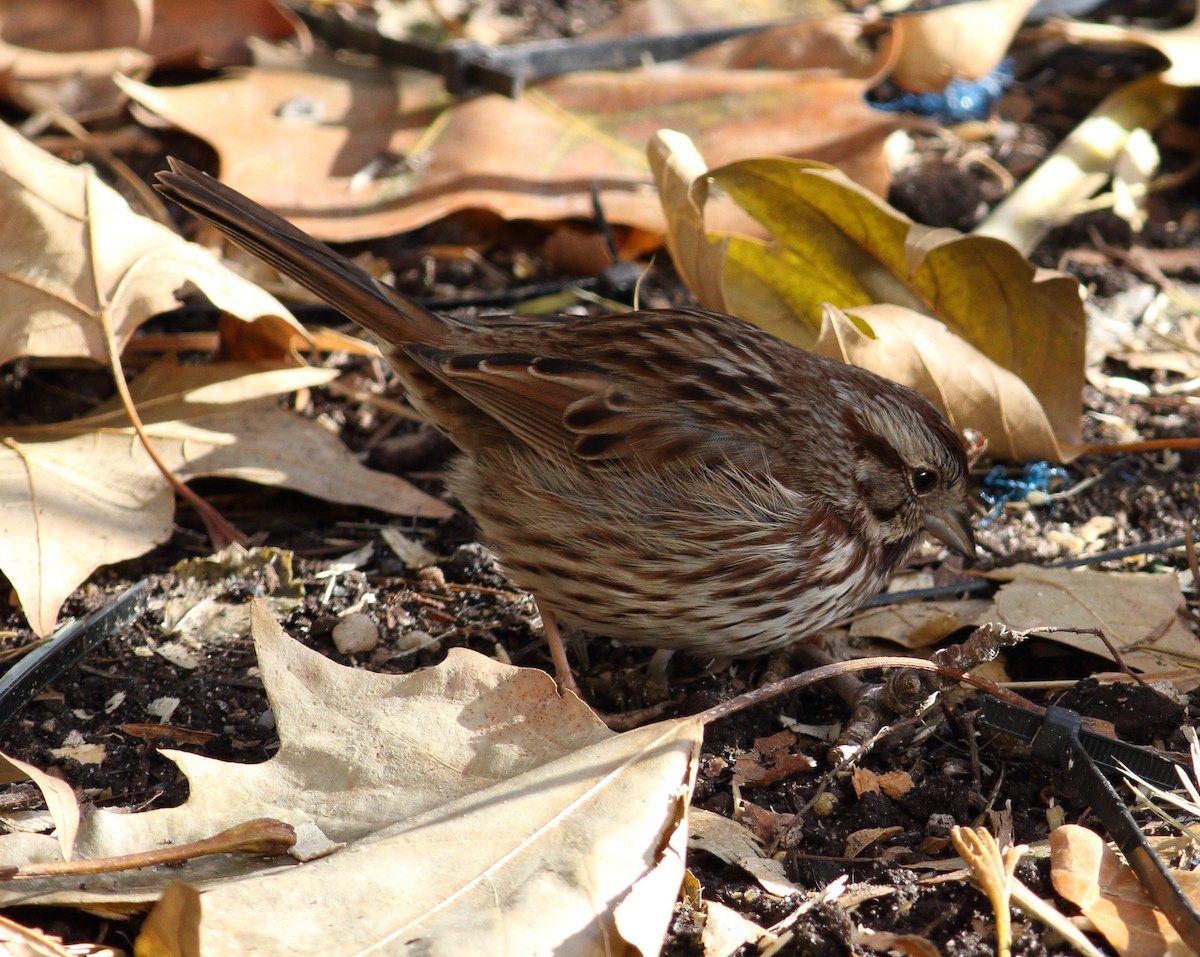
column 952, row 308
column 307, row 141
column 80, row 266
column 1137, row 611
column 1089, row 875
column 81, row 494
column 483, row 813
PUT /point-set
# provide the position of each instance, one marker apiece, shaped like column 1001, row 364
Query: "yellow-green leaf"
column 837, row 243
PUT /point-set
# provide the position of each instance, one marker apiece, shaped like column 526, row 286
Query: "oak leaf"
column 482, row 813
column 78, row 495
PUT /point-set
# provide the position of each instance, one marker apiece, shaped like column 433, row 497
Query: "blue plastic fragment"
column 1000, row 488
column 962, row 100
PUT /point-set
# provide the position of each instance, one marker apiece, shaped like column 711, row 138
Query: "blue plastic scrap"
column 1038, row 478
column 961, row 101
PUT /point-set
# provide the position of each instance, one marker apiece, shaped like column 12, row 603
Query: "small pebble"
column 825, row 805
column 355, row 633
column 410, row 641
column 432, row 578
column 1097, row 528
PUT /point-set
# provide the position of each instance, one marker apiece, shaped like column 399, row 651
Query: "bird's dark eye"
column 924, row 480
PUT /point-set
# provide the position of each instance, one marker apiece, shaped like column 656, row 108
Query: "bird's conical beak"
column 953, row 529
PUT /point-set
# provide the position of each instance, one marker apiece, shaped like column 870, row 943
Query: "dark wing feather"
column 563, row 407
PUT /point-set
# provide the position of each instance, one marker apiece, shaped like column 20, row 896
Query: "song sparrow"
column 673, row 478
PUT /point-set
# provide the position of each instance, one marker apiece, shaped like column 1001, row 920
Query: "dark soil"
column 960, row 776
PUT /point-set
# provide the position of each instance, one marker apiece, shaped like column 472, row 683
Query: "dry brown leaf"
column 920, row 624
column 780, row 762
column 303, row 141
column 1181, row 45
column 1019, row 329
column 771, row 875
column 864, row 781
column 1139, row 612
column 62, row 54
column 19, row 941
column 1092, row 877
column 726, row 932
column 974, row 391
column 60, row 799
column 484, row 813
column 833, row 43
column 721, row 837
column 936, row 46
column 911, row 945
column 895, row 784
column 78, row 495
column 735, row 843
column 765, row 824
column 173, row 927
column 859, row 841
column 80, row 265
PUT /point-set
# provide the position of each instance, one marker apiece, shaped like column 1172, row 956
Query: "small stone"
column 432, row 578
column 1097, row 528
column 355, row 633
column 411, row 641
column 825, row 805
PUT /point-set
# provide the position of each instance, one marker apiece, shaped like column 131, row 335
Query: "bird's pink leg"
column 558, row 653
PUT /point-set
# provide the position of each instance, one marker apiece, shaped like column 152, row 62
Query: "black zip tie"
column 33, row 673
column 1057, row 737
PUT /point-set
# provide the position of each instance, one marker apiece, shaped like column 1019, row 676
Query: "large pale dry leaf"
column 76, row 260
column 484, row 813
column 304, row 141
column 78, row 495
column 974, row 391
column 836, row 243
column 1181, row 45
column 62, row 54
column 967, row 40
column 1138, row 612
column 1088, row 874
column 59, row 797
column 920, row 624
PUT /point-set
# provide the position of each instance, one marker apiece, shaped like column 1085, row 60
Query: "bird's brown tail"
column 334, row 278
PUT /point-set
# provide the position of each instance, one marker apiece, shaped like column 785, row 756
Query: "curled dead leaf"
column 939, row 298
